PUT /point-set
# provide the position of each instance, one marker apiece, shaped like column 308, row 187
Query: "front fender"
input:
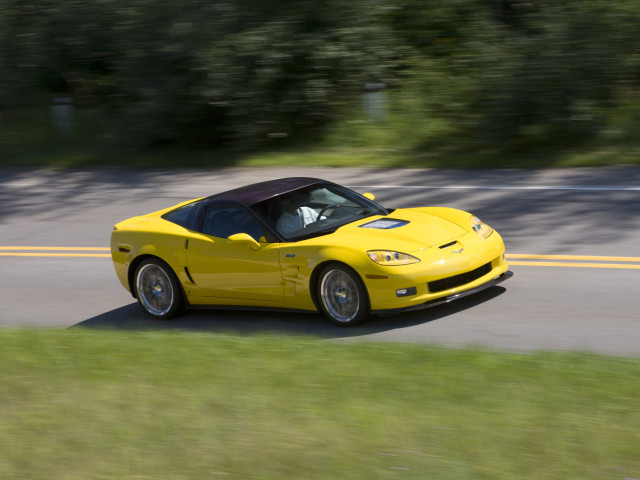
column 301, row 265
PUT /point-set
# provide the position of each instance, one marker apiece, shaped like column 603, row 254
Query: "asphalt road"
column 55, row 227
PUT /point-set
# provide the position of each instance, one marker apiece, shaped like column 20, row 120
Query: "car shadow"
column 243, row 322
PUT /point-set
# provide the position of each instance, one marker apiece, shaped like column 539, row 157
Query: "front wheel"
column 343, row 297
column 157, row 289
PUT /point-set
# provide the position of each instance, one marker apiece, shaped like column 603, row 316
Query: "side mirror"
column 370, row 196
column 243, row 239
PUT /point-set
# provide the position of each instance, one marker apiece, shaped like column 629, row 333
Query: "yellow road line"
column 576, row 264
column 516, row 259
column 571, row 257
column 53, row 251
column 577, row 261
column 102, row 249
column 8, row 254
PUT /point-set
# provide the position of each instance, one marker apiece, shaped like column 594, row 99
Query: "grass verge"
column 84, row 405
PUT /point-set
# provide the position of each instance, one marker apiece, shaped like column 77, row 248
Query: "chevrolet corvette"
column 304, row 244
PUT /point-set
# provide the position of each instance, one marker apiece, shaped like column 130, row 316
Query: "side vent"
column 450, row 244
column 186, row 270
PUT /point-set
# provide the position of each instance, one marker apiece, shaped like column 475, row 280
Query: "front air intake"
column 458, row 280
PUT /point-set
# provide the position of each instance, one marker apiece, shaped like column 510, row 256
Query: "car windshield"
column 315, row 210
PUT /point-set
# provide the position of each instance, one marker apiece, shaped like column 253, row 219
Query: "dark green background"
column 243, row 76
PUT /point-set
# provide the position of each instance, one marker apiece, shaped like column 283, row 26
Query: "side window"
column 226, row 221
column 183, row 216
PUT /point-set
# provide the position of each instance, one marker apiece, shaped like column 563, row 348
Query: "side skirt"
column 249, row 308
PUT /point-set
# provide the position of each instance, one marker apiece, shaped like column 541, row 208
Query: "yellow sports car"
column 304, row 244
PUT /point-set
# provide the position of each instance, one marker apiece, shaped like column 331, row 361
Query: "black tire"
column 342, row 296
column 158, row 290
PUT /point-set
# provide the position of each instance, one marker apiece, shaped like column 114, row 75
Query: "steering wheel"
column 325, row 208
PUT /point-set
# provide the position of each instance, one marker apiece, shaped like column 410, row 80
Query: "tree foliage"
column 226, row 72
column 240, row 73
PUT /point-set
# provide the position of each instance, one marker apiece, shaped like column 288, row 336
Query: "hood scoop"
column 385, row 224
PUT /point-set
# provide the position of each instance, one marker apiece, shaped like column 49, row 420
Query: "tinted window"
column 226, row 221
column 184, row 215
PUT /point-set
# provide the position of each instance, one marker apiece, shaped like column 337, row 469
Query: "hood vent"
column 385, row 223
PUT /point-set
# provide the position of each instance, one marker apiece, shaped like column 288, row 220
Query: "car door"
column 234, row 272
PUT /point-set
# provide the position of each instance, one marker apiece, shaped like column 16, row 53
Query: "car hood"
column 407, row 230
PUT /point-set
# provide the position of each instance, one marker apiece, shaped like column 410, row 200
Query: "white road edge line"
column 585, row 188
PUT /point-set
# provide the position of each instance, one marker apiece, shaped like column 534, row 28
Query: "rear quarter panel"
column 140, row 237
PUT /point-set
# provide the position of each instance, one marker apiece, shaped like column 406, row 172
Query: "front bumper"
column 442, row 300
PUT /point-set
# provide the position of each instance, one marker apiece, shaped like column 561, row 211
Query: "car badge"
column 457, row 251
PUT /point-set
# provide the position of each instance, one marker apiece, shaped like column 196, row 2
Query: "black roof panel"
column 257, row 192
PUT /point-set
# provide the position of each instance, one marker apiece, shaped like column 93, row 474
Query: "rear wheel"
column 343, row 297
column 157, row 289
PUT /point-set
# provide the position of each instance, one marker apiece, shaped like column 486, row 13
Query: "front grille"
column 458, row 280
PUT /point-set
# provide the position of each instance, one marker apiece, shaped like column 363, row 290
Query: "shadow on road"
column 131, row 317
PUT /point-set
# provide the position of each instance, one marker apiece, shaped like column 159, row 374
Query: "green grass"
column 80, row 404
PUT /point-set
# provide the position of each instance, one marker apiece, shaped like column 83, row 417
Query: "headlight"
column 480, row 227
column 391, row 258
